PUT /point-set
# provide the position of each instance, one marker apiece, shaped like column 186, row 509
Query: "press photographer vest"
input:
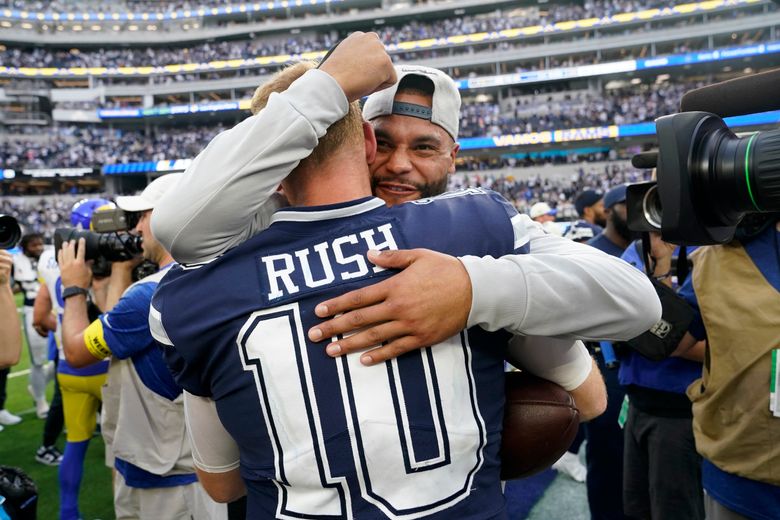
column 140, row 426
column 732, row 424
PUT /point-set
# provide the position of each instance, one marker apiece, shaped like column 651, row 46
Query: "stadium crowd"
column 43, row 214
column 39, row 214
column 270, row 46
column 78, row 146
column 135, row 6
column 74, row 146
column 537, row 113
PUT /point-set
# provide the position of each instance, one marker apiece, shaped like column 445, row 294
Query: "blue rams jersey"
column 415, row 437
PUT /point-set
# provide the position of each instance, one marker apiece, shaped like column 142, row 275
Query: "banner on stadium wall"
column 595, row 133
column 45, row 173
column 176, row 165
column 260, row 61
column 58, row 172
column 172, row 110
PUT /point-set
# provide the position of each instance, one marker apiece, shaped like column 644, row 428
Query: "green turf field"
column 17, row 448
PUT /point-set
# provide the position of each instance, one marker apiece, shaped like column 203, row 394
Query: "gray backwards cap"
column 445, row 111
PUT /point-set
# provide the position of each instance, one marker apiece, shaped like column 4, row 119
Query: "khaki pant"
column 172, row 503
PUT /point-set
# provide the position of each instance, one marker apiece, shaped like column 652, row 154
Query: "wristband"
column 73, row 290
column 663, row 276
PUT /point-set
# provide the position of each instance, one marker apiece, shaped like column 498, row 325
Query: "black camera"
column 708, row 180
column 113, row 219
column 107, row 241
column 10, row 232
column 114, row 247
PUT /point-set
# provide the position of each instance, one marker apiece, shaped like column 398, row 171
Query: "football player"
column 310, row 436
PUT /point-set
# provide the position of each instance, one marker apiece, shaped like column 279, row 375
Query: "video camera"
column 10, row 232
column 108, row 240
column 709, row 178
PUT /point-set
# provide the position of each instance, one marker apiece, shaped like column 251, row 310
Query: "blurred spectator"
column 542, row 213
column 590, row 208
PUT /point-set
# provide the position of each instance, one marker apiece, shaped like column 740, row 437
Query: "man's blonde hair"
column 345, row 131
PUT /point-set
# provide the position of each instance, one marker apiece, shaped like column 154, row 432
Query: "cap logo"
column 412, row 110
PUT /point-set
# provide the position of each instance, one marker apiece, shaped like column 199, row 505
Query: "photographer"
column 734, row 288
column 143, row 418
column 10, row 328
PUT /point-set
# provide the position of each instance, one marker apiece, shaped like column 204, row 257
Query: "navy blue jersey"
column 319, row 437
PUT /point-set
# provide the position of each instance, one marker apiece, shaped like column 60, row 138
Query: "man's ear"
column 453, row 154
column 369, row 138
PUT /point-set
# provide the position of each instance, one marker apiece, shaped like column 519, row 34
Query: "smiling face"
column 414, row 157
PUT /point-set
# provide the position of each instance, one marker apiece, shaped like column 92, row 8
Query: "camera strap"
column 662, row 339
column 681, row 266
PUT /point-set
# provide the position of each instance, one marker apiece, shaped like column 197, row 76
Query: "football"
column 540, row 423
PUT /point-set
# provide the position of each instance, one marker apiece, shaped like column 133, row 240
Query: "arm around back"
column 561, row 289
column 214, row 451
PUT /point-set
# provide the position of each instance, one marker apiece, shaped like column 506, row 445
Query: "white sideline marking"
column 19, row 373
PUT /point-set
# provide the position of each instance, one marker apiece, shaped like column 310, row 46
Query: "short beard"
column 620, row 226
column 430, row 189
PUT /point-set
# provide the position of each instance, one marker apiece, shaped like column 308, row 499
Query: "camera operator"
column 10, row 327
column 734, row 288
column 143, row 418
column 661, row 468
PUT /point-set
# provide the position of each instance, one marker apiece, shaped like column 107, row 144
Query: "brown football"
column 540, row 423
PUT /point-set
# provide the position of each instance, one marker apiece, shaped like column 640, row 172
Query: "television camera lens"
column 652, row 208
column 709, row 179
column 114, row 247
column 10, row 232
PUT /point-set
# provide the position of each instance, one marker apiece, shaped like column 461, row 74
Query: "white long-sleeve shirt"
column 561, row 289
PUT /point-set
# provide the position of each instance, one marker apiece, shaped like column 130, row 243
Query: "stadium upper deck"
column 501, row 41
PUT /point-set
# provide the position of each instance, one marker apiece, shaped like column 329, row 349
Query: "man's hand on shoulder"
column 360, row 65
column 426, row 303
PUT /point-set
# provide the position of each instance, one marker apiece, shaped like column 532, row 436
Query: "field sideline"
column 18, row 444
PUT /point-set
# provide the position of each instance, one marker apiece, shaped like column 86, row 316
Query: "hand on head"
column 361, row 66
